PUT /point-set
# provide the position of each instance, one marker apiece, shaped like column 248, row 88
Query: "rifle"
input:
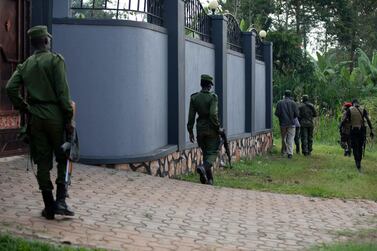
column 71, row 149
column 226, row 146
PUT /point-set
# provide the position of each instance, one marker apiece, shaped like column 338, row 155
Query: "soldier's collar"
column 40, row 51
column 205, row 91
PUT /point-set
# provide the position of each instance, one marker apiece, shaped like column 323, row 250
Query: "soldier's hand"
column 221, row 131
column 69, row 128
column 192, row 138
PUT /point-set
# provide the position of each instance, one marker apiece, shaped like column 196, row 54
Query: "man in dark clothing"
column 345, row 131
column 307, row 113
column 287, row 112
column 357, row 115
column 50, row 108
column 204, row 103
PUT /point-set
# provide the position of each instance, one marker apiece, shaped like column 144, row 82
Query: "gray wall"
column 118, row 76
column 236, row 93
column 260, row 96
column 200, row 59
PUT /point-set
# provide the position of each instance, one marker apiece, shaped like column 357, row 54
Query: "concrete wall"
column 200, row 59
column 236, row 93
column 118, row 76
column 260, row 96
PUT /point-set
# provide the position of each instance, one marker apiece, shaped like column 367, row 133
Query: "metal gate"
column 14, row 20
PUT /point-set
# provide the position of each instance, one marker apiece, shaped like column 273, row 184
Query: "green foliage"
column 10, row 243
column 255, row 13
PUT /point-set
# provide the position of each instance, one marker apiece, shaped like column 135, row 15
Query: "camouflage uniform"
column 307, row 113
column 345, row 131
column 356, row 116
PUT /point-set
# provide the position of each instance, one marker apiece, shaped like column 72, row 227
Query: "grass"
column 357, row 241
column 327, row 173
column 10, row 243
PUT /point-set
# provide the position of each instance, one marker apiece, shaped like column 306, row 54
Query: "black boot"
column 48, row 211
column 358, row 165
column 208, row 168
column 202, row 172
column 61, row 206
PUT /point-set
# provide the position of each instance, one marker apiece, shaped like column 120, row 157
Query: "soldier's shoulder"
column 214, row 95
column 195, row 93
column 57, row 56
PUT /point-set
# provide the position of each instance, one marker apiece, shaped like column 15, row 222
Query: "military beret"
column 347, row 104
column 206, row 78
column 38, row 31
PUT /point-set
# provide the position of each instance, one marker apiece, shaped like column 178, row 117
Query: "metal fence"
column 234, row 34
column 197, row 22
column 259, row 48
column 137, row 10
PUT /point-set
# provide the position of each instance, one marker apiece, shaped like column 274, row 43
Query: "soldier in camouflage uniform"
column 345, row 131
column 48, row 104
column 204, row 103
column 357, row 115
column 307, row 113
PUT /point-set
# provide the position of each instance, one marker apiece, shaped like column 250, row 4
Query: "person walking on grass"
column 345, row 131
column 306, row 114
column 356, row 116
column 49, row 107
column 287, row 112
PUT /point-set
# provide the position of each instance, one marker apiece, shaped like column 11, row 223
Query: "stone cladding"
column 183, row 162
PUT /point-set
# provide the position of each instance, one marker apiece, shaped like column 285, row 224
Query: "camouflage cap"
column 305, row 97
column 38, row 31
column 206, row 78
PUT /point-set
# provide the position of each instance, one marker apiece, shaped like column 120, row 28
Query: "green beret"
column 206, row 78
column 38, row 31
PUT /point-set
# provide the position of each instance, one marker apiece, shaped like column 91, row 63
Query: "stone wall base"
column 186, row 161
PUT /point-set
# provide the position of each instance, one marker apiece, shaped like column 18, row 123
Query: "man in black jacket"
column 287, row 112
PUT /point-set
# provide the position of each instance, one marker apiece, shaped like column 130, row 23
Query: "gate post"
column 249, row 51
column 219, row 38
column 174, row 22
column 267, row 55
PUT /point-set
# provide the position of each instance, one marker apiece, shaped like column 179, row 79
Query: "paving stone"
column 121, row 210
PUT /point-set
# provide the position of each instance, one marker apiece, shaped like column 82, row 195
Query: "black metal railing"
column 197, row 22
column 259, row 48
column 234, row 34
column 137, row 10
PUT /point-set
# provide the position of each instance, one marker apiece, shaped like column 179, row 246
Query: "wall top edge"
column 236, row 53
column 109, row 22
column 157, row 154
column 200, row 42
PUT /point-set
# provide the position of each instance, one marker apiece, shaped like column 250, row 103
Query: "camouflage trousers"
column 306, row 139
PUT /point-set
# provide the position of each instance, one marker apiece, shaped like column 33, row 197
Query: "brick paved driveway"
column 130, row 211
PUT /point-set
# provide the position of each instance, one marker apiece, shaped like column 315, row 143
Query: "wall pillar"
column 219, row 39
column 267, row 55
column 249, row 51
column 174, row 23
column 61, row 8
column 41, row 13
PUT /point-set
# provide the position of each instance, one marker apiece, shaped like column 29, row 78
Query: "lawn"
column 10, row 243
column 327, row 173
column 357, row 241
